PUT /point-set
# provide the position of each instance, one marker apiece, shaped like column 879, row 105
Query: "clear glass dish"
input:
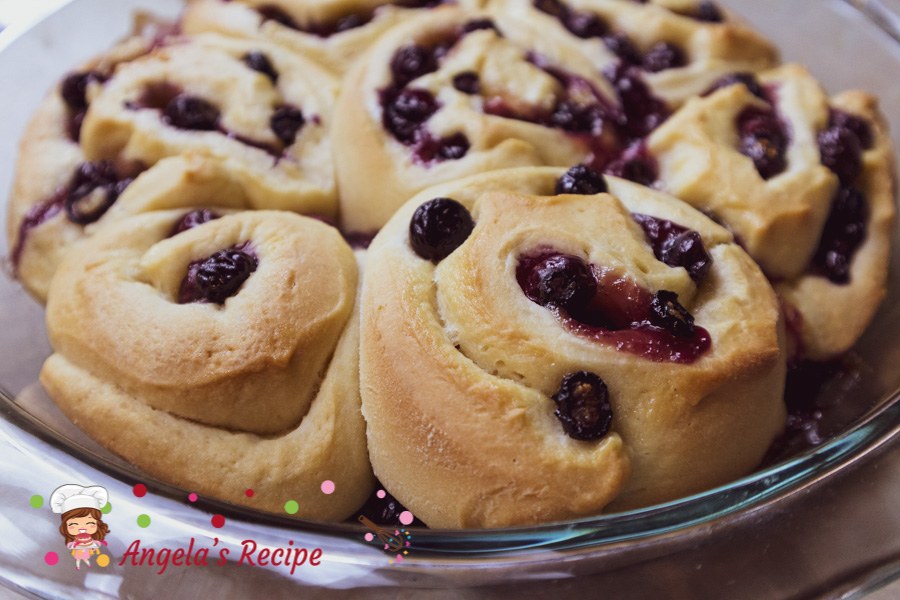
column 841, row 43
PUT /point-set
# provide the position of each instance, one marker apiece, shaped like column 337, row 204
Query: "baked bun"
column 676, row 51
column 262, row 110
column 455, row 92
column 57, row 190
column 772, row 158
column 217, row 355
column 333, row 32
column 651, row 333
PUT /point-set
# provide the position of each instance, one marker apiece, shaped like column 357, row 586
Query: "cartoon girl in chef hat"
column 82, row 525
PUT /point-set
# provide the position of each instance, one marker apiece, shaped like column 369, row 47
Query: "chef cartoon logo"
column 81, row 522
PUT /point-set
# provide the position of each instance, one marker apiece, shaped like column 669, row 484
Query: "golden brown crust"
column 458, row 358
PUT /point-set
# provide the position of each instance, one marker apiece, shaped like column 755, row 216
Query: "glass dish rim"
column 684, row 519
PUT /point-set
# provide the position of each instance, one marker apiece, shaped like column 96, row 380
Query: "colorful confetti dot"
column 399, row 557
column 406, row 517
column 143, row 520
column 218, row 521
column 248, row 493
column 328, row 487
column 103, row 560
column 107, row 508
column 192, row 497
column 36, row 501
column 139, row 490
column 369, row 537
column 291, row 507
column 381, row 493
column 51, row 558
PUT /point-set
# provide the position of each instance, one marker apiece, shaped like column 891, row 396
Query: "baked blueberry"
column 747, row 79
column 635, row 164
column 582, row 180
column 285, row 122
column 467, row 82
column 406, row 110
column 857, row 125
column 675, row 245
column 763, row 140
column 641, row 111
column 452, row 147
column 410, row 62
column 584, row 24
column 583, row 407
column 666, row 312
column 841, row 151
column 619, row 44
column 192, row 219
column 73, row 88
column 709, row 12
column 662, row 56
column 260, row 62
column 438, row 227
column 218, row 276
column 93, row 189
column 190, row 112
column 844, row 231
column 559, row 280
column 270, row 12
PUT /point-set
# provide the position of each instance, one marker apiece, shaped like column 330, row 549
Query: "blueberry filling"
column 619, row 44
column 581, row 24
column 260, row 62
column 675, row 245
column 285, row 122
column 93, row 189
column 747, row 79
column 842, row 143
column 635, row 164
column 218, row 276
column 467, row 82
column 411, row 62
column 611, row 309
column 763, row 140
column 321, row 29
column 844, row 232
column 73, row 90
column 582, row 180
column 438, row 227
column 191, row 112
column 663, row 56
column 582, row 406
column 641, row 112
column 192, row 219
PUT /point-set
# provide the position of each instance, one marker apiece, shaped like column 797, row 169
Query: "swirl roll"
column 217, row 354
column 555, row 343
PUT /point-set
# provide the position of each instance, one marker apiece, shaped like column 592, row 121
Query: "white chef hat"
column 66, row 497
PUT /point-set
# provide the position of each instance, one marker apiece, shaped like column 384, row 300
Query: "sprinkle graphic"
column 328, row 487
column 143, row 520
column 103, row 560
column 394, row 543
column 248, row 493
column 36, row 501
column 218, row 521
column 107, row 508
column 140, row 490
column 51, row 558
column 381, row 493
column 192, row 497
column 291, row 507
column 406, row 517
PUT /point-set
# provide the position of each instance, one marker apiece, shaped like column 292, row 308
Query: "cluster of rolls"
column 600, row 232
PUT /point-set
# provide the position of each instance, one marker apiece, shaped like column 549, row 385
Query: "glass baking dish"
column 846, row 45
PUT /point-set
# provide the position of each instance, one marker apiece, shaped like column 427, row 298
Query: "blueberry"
column 577, row 118
column 583, row 407
column 551, row 7
column 763, row 140
column 841, row 151
column 73, row 88
column 261, row 63
column 857, row 125
column 709, row 12
column 410, row 62
column 467, row 82
column 582, row 180
column 640, row 169
column 621, row 46
column 480, row 24
column 190, row 112
column 666, row 312
column 405, row 111
column 438, row 227
column 584, row 24
column 286, row 121
column 273, row 13
column 560, row 280
column 195, row 218
column 663, row 56
column 675, row 245
column 452, row 147
column 641, row 111
column 747, row 79
column 351, row 21
column 82, row 204
column 217, row 277
column 844, row 231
